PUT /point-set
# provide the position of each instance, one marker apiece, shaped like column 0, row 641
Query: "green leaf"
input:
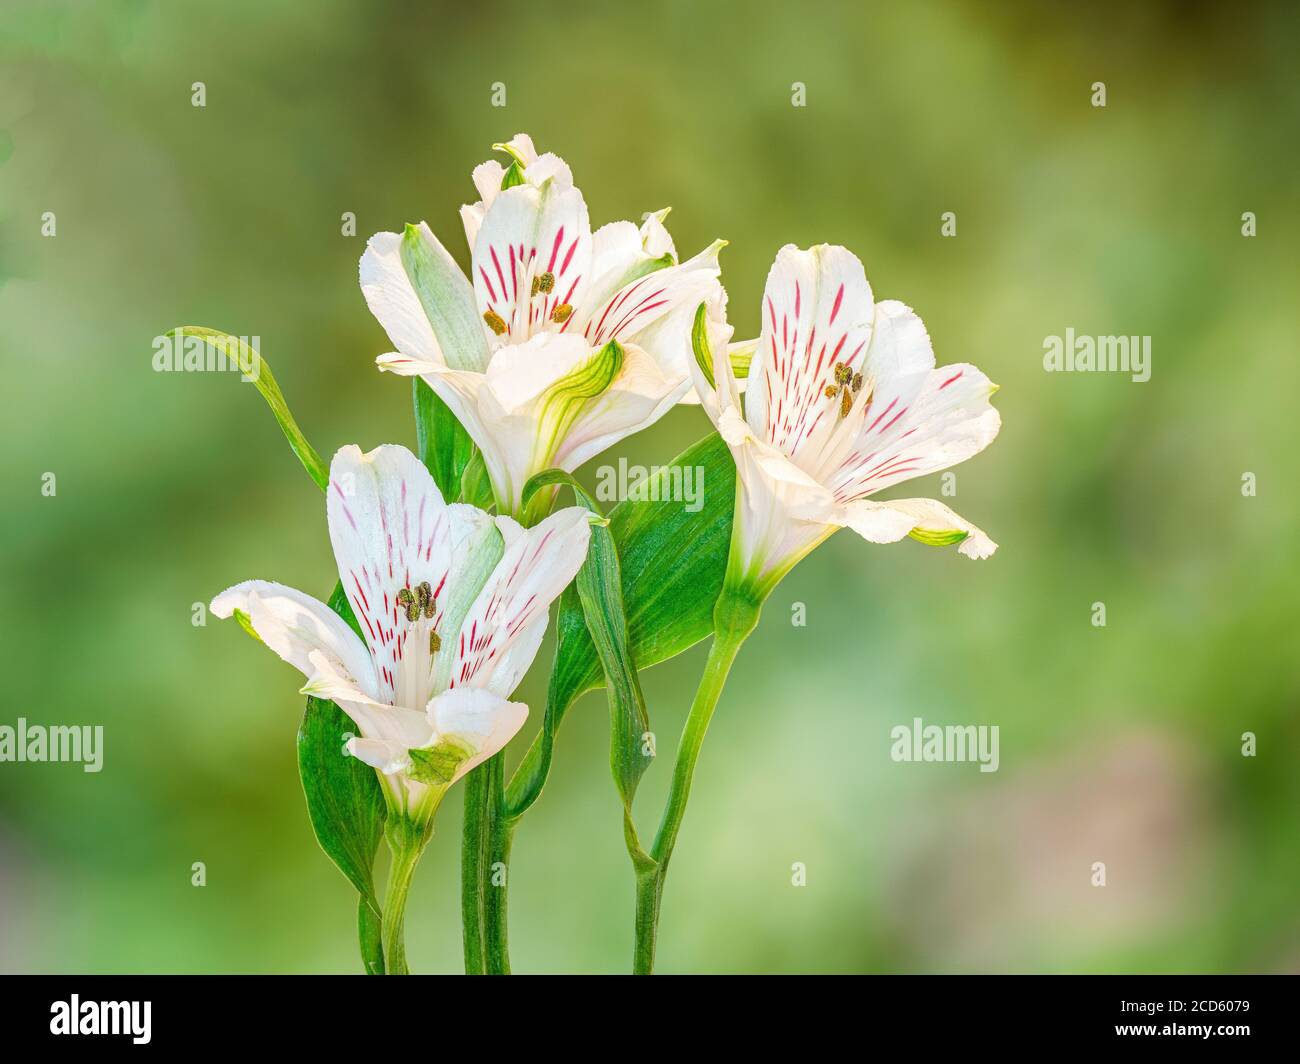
column 599, row 590
column 370, row 934
column 344, row 799
column 672, row 562
column 447, row 298
column 256, row 369
column 441, row 442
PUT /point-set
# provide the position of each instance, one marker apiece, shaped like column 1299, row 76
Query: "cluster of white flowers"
column 559, row 344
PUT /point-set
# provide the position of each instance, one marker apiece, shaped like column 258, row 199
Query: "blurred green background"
column 1119, row 744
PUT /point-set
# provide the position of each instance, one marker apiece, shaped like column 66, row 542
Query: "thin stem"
column 485, row 844
column 734, row 618
column 406, row 846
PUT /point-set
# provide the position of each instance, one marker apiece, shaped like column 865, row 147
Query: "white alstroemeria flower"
column 563, row 343
column 844, row 401
column 452, row 604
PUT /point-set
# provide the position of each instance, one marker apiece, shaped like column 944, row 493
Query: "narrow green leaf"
column 255, row 368
column 672, row 558
column 441, row 442
column 600, row 593
column 344, row 798
column 370, row 935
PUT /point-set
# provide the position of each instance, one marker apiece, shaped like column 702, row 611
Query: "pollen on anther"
column 846, row 402
column 494, row 322
column 831, row 391
column 546, row 282
column 435, row 642
column 842, row 373
column 561, row 313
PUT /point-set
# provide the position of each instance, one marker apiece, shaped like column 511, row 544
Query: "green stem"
column 734, row 618
column 406, row 841
column 486, row 843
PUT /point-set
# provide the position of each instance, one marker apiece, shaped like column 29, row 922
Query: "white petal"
column 527, row 232
column 387, row 735
column 489, row 175
column 638, row 397
column 655, row 311
column 391, row 530
column 295, row 626
column 655, row 239
column 424, row 301
column 782, row 513
column 617, row 259
column 932, row 421
column 521, row 373
column 929, row 519
column 817, row 313
column 385, row 755
column 483, row 720
column 535, row 568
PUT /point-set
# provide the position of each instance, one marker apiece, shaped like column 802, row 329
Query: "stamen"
column 537, row 287
column 857, row 383
column 405, row 598
column 842, row 373
column 546, row 282
column 831, row 391
column 423, row 593
column 561, row 313
column 435, row 642
column 413, row 612
column 846, row 403
column 494, row 322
